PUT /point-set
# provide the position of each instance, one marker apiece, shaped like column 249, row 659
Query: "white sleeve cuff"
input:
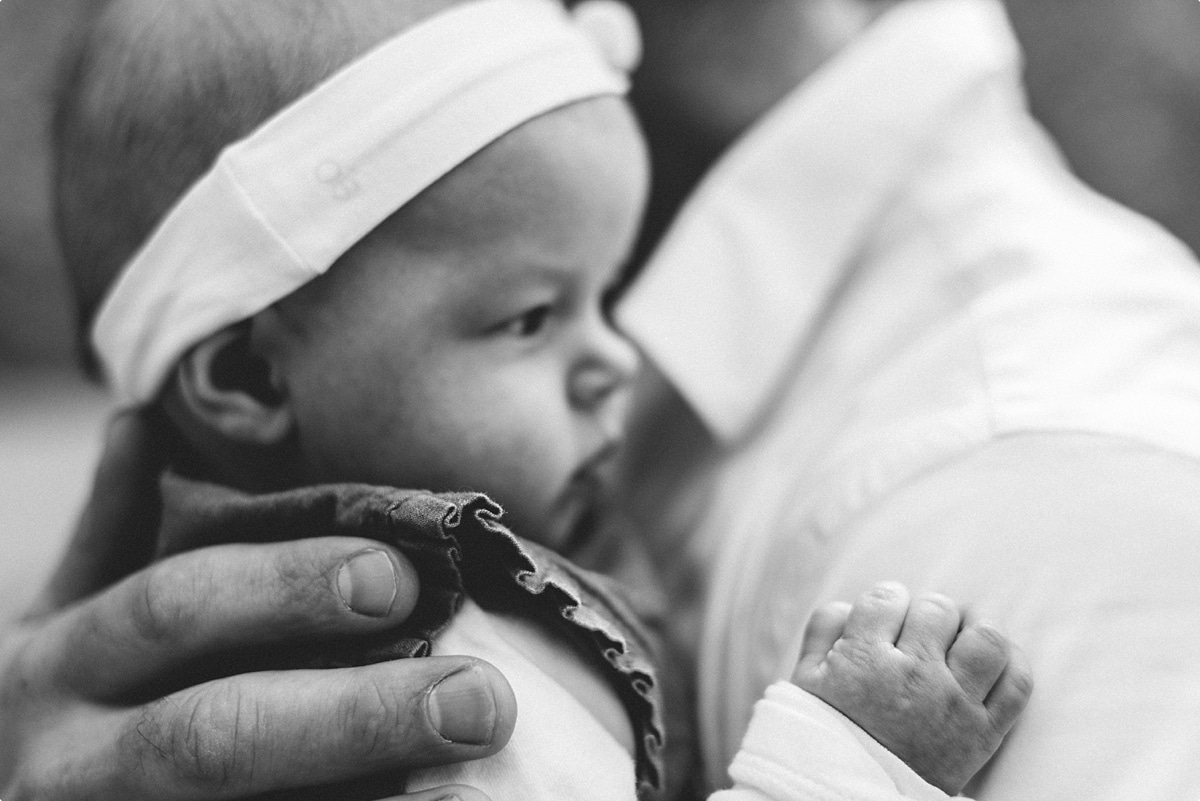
column 799, row 747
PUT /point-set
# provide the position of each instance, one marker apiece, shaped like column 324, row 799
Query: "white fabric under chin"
column 557, row 751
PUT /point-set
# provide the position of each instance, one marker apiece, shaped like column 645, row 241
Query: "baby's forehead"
column 528, row 214
column 522, row 188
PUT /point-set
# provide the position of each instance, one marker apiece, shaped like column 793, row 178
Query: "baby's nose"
column 606, row 370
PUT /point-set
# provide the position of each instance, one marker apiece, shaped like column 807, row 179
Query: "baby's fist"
column 938, row 691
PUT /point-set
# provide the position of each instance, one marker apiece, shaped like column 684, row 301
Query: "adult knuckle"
column 463, row 793
column 301, row 577
column 204, row 741
column 57, row 779
column 21, row 675
column 159, row 603
column 366, row 717
column 19, row 784
column 24, row 789
column 373, row 718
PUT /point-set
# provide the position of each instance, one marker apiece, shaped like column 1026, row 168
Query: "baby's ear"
column 228, row 388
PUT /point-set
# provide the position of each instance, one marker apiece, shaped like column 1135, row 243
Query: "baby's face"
column 465, row 344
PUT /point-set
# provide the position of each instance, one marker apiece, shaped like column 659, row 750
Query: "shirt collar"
column 739, row 285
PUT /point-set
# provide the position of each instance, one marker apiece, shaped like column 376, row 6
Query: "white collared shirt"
column 924, row 351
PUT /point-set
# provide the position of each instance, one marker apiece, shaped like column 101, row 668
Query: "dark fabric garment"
column 459, row 548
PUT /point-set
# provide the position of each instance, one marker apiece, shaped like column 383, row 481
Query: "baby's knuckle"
column 851, row 654
column 913, row 677
column 956, row 707
column 1020, row 681
column 923, row 683
column 833, row 608
column 939, row 602
column 809, row 679
column 886, row 591
column 990, row 639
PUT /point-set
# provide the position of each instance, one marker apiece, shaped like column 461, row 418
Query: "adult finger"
column 930, row 627
column 219, row 598
column 254, row 733
column 376, row 788
column 453, row 792
column 115, row 533
column 878, row 614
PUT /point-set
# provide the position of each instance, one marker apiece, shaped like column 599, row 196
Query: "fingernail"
column 367, row 583
column 462, row 709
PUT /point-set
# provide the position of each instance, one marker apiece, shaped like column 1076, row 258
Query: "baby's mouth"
column 587, row 495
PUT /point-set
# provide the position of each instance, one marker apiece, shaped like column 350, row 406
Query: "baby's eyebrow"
column 531, row 271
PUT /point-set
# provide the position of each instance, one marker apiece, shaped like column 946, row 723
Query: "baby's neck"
column 194, row 451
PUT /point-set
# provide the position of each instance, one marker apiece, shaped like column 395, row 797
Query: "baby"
column 375, row 241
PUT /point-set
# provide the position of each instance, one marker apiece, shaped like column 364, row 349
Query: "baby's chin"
column 553, row 530
column 561, row 528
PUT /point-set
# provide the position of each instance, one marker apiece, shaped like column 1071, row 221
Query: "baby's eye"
column 527, row 324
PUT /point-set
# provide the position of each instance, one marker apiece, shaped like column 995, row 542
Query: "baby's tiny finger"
column 930, row 626
column 1011, row 692
column 878, row 614
column 978, row 658
column 823, row 630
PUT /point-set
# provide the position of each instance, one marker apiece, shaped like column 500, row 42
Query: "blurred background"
column 50, row 418
column 1116, row 81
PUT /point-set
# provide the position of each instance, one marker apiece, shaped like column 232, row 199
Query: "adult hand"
column 74, row 720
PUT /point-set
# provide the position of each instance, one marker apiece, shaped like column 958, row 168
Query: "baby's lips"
column 586, row 490
column 603, row 463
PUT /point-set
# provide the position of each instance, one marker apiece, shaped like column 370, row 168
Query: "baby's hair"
column 157, row 88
